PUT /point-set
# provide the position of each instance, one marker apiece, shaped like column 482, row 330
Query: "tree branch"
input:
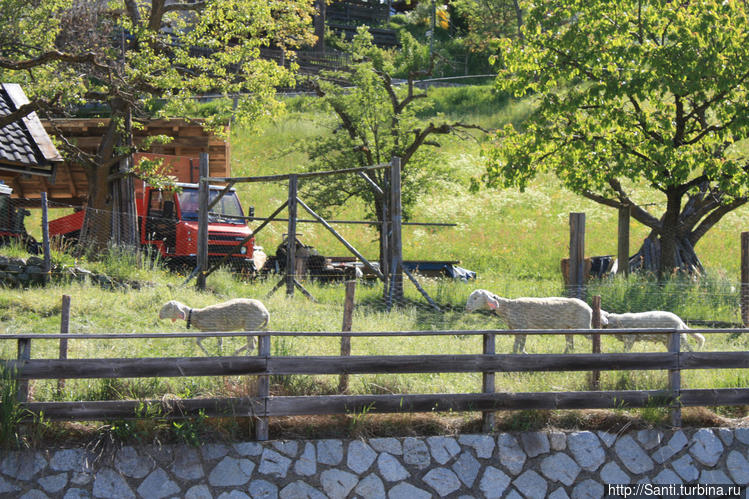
column 26, row 110
column 713, row 218
column 52, row 55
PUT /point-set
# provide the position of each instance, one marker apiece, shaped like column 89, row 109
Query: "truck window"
column 228, row 206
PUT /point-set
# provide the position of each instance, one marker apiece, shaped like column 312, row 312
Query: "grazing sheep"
column 534, row 313
column 652, row 319
column 239, row 314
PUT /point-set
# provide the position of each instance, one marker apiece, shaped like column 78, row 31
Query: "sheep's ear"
column 492, row 303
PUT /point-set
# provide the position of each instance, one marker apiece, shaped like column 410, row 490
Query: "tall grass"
column 514, row 240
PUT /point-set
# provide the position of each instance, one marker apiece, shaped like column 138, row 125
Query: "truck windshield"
column 224, row 211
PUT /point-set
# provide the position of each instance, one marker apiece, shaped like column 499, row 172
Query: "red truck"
column 168, row 225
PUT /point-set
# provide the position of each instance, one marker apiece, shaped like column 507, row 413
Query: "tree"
column 489, row 20
column 128, row 54
column 375, row 119
column 629, row 92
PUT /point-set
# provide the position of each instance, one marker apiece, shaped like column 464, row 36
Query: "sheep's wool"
column 534, row 313
column 651, row 319
column 239, row 314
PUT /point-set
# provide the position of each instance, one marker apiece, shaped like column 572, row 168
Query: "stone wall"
column 534, row 465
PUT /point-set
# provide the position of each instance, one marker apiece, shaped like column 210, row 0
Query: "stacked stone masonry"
column 513, row 465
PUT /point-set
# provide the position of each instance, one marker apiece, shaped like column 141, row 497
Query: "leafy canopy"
column 643, row 90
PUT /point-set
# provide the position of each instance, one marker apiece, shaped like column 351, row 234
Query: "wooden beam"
column 347, row 404
column 383, row 334
column 204, row 198
column 335, row 365
column 623, row 240
column 745, row 278
column 270, row 178
column 291, row 236
column 577, row 255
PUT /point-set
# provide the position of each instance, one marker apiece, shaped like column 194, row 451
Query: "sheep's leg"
column 629, row 342
column 519, row 346
column 569, row 343
column 250, row 346
column 199, row 342
column 685, row 342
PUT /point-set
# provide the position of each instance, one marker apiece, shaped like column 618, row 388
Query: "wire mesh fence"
column 82, row 247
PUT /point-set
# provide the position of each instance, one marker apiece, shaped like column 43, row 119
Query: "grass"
column 514, row 240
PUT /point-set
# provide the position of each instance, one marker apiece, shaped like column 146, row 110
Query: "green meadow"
column 514, row 241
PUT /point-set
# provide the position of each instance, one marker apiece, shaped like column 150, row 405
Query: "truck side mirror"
column 251, row 212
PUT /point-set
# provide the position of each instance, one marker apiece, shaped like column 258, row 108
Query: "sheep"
column 652, row 319
column 239, row 314
column 534, row 313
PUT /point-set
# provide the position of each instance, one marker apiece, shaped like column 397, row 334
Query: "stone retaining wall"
column 533, row 465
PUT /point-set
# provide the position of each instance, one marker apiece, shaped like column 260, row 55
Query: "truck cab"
column 169, row 225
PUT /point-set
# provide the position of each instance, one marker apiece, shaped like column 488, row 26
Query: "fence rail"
column 264, row 406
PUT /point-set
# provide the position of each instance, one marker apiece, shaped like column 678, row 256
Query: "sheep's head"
column 172, row 310
column 610, row 321
column 481, row 298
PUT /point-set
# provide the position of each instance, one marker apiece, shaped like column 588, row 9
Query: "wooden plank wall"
column 70, row 185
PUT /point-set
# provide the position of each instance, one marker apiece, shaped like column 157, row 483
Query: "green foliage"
column 375, row 120
column 11, row 412
column 627, row 90
column 190, row 431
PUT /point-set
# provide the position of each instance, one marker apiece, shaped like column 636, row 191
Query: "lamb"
column 239, row 314
column 534, row 313
column 652, row 319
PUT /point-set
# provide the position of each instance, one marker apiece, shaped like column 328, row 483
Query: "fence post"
column 263, row 391
column 291, row 237
column 577, row 255
column 595, row 382
column 64, row 329
column 396, row 245
column 24, row 353
column 348, row 315
column 674, row 378
column 622, row 252
column 487, row 417
column 745, row 278
column 203, row 198
column 45, row 238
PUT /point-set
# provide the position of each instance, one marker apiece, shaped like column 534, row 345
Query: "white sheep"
column 534, row 313
column 239, row 314
column 652, row 319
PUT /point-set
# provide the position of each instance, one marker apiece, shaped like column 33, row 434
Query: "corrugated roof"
column 24, row 145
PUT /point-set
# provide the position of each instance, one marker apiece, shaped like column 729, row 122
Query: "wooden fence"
column 264, row 365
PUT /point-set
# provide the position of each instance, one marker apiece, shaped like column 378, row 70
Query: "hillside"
column 520, row 234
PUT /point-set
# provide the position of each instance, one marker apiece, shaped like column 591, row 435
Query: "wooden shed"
column 69, row 184
column 25, row 148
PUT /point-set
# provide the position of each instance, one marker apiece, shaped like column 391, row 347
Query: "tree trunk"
column 111, row 215
column 668, row 234
column 650, row 255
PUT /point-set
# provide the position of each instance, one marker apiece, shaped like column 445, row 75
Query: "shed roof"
column 24, row 144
